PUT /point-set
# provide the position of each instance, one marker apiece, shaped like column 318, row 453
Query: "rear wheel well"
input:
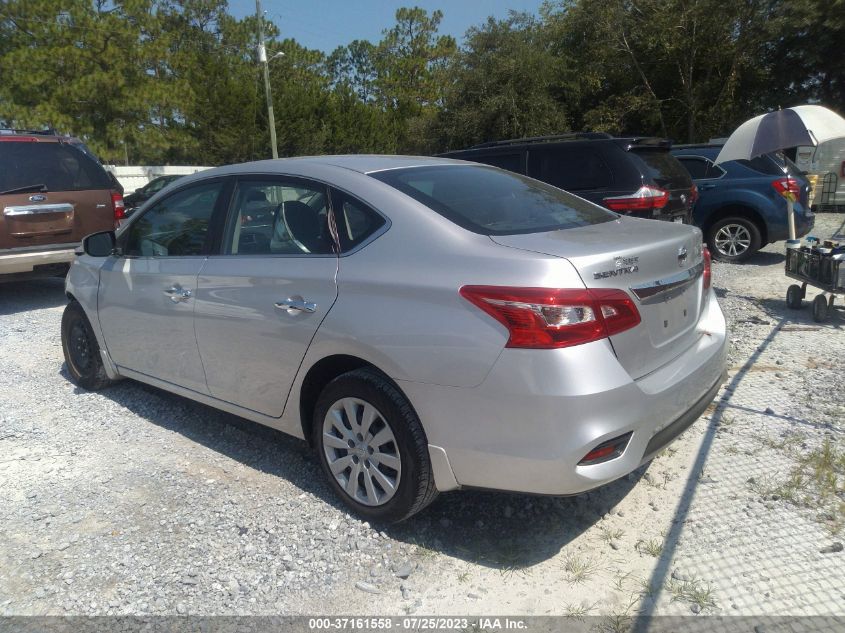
column 738, row 211
column 320, row 375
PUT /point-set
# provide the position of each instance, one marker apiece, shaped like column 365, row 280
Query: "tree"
column 680, row 68
column 504, row 83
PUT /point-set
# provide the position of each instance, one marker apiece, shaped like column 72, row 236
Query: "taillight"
column 550, row 318
column 707, row 276
column 118, row 207
column 693, row 195
column 787, row 186
column 646, row 198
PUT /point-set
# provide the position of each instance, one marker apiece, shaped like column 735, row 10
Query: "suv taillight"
column 118, row 207
column 646, row 198
column 707, row 276
column 786, row 186
column 550, row 318
column 693, row 195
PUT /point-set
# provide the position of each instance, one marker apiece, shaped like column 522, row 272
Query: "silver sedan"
column 425, row 324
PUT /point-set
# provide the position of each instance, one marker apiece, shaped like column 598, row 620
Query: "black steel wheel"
column 794, row 297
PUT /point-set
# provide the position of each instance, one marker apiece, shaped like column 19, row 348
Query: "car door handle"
column 706, row 186
column 178, row 295
column 292, row 305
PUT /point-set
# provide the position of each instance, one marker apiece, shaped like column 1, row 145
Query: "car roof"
column 361, row 163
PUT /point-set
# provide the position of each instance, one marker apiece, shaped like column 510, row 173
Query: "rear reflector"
column 646, row 198
column 604, row 452
column 551, row 318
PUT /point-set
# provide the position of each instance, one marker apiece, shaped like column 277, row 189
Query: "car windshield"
column 491, row 201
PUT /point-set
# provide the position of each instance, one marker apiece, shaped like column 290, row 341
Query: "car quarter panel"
column 539, row 412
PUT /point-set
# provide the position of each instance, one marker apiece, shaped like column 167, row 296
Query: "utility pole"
column 262, row 59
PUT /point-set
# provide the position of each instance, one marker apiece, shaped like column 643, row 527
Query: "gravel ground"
column 135, row 501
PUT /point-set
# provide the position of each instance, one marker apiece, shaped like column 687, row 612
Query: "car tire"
column 794, row 297
column 82, row 352
column 820, row 309
column 387, row 480
column 734, row 239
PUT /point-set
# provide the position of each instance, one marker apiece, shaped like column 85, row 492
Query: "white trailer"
column 827, row 163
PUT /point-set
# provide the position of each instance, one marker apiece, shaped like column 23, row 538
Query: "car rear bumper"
column 25, row 260
column 539, row 412
column 804, row 222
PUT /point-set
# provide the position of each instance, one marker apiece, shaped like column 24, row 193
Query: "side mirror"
column 99, row 244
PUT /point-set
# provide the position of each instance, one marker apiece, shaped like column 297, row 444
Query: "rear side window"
column 661, row 166
column 494, row 202
column 574, row 168
column 58, row 166
column 763, row 165
column 355, row 220
column 772, row 165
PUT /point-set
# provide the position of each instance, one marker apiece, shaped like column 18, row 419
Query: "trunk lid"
column 658, row 265
column 53, row 217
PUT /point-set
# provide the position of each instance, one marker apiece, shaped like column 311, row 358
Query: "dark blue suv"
column 740, row 204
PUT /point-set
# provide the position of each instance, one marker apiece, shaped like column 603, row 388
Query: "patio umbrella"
column 774, row 131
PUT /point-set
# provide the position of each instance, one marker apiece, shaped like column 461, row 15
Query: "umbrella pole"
column 790, row 214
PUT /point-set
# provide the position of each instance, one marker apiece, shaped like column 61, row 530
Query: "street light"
column 262, row 58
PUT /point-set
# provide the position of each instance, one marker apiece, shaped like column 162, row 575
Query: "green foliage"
column 176, row 81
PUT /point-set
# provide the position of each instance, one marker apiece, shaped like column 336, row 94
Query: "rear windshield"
column 58, row 166
column 490, row 201
column 662, row 167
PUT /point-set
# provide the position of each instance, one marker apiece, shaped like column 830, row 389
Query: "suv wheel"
column 82, row 353
column 734, row 239
column 372, row 447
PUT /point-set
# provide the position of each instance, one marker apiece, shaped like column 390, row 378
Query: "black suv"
column 634, row 176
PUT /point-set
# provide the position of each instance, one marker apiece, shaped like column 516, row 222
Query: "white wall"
column 134, row 176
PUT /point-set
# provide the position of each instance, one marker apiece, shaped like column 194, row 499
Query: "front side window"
column 177, row 226
column 279, row 217
column 494, row 202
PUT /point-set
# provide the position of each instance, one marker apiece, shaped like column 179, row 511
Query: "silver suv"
column 427, row 324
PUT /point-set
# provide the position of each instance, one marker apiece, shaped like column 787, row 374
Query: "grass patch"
column 652, row 547
column 692, row 592
column 579, row 568
column 578, row 611
column 817, row 481
column 611, row 534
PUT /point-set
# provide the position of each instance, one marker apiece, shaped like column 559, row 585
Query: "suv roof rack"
column 696, row 145
column 545, row 139
column 47, row 132
column 647, row 141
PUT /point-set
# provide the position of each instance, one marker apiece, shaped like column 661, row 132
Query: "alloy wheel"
column 361, row 451
column 732, row 240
